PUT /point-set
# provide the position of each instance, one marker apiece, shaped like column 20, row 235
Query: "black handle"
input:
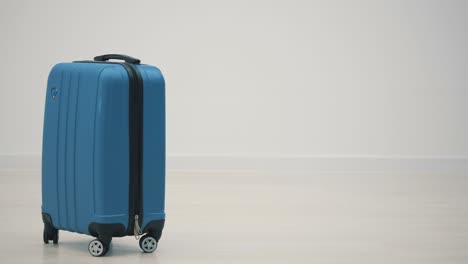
column 125, row 58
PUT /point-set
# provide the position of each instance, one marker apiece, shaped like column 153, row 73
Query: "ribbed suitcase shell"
column 85, row 159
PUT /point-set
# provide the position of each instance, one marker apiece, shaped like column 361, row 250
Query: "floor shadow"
column 116, row 248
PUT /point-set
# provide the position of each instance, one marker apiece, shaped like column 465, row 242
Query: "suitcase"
column 103, row 155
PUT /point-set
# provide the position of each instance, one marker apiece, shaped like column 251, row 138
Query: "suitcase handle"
column 125, row 58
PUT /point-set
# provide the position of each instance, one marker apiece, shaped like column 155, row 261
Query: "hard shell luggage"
column 103, row 155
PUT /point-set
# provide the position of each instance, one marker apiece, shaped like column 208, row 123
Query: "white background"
column 359, row 94
column 259, row 78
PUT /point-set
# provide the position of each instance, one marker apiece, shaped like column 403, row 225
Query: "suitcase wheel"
column 50, row 233
column 148, row 243
column 97, row 248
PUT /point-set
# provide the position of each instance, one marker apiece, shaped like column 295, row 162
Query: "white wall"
column 259, row 78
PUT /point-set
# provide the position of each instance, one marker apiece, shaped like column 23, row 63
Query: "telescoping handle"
column 125, row 58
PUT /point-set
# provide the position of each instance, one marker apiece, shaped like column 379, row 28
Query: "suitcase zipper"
column 136, row 149
column 136, row 229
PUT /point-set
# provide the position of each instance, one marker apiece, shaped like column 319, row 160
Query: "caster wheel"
column 55, row 238
column 97, row 248
column 148, row 243
column 50, row 233
column 45, row 237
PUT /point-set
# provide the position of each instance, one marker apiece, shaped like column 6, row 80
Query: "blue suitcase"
column 103, row 154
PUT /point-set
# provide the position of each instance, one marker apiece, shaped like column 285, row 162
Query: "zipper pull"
column 136, row 228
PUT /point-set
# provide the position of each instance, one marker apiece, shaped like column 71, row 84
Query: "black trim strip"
column 136, row 145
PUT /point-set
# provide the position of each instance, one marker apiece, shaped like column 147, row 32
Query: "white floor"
column 220, row 217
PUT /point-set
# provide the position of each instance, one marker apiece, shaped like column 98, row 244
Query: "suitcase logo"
column 54, row 93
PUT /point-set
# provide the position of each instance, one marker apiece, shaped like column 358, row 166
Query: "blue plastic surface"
column 85, row 158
